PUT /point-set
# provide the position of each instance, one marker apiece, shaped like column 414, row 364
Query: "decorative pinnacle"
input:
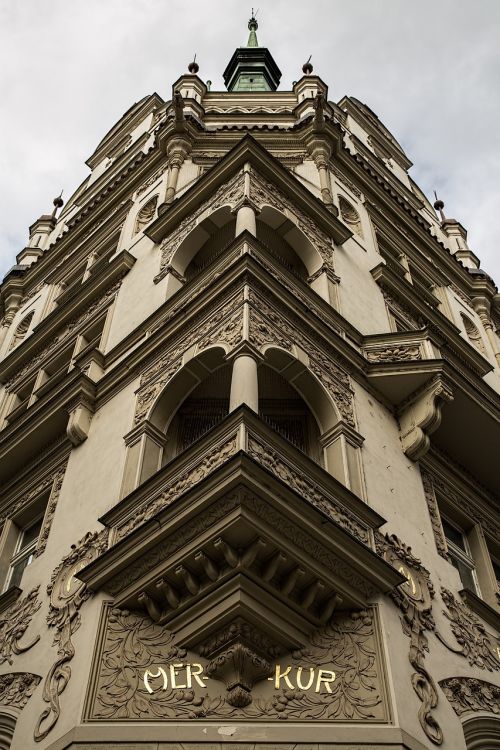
column 307, row 68
column 439, row 205
column 253, row 26
column 193, row 67
column 58, row 203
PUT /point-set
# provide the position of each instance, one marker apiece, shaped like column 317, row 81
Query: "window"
column 460, row 555
column 25, row 551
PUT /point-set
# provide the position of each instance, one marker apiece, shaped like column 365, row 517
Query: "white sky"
column 430, row 69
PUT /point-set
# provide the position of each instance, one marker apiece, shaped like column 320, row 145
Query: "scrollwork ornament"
column 414, row 600
column 14, row 623
column 475, row 643
column 67, row 594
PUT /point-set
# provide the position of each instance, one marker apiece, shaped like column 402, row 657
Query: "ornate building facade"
column 249, row 440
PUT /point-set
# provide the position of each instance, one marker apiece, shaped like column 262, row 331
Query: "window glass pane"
column 18, row 570
column 30, row 534
column 465, row 572
column 453, row 534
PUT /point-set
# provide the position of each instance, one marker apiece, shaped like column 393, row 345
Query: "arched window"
column 482, row 732
column 145, row 215
column 473, row 333
column 21, row 330
column 350, row 216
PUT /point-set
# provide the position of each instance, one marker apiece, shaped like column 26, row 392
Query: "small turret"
column 252, row 68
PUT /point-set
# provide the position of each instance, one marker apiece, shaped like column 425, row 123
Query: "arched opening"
column 203, row 409
column 482, row 732
column 284, row 240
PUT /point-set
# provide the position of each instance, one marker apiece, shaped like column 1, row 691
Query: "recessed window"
column 460, row 556
column 25, row 551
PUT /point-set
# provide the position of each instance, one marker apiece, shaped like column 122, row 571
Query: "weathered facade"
column 249, row 440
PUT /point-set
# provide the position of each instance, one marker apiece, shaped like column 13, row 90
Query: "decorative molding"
column 420, row 416
column 263, row 192
column 145, row 215
column 16, row 688
column 401, row 353
column 67, row 594
column 57, row 480
column 194, row 474
column 271, row 460
column 340, row 176
column 347, row 647
column 14, row 623
column 434, row 514
column 59, row 340
column 414, row 599
column 151, row 180
column 468, row 694
column 476, row 644
column 227, row 194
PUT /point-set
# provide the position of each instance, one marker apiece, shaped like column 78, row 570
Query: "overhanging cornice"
column 248, row 150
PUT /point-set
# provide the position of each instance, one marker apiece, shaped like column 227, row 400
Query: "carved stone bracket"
column 414, row 599
column 67, row 594
column 14, row 623
column 475, row 643
column 469, row 694
column 420, row 416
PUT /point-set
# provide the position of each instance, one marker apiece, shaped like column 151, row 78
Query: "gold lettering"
column 148, row 673
column 299, row 678
column 194, row 670
column 326, row 676
column 174, row 673
column 281, row 676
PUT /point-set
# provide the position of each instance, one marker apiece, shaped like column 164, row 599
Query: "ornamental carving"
column 475, row 643
column 434, row 514
column 469, row 694
column 55, row 491
column 229, row 333
column 414, row 600
column 206, row 519
column 16, row 688
column 227, row 194
column 345, row 181
column 401, row 311
column 189, row 478
column 294, row 479
column 57, row 341
column 151, row 180
column 145, row 215
column 67, row 594
column 141, row 674
column 14, row 623
column 403, row 353
column 471, row 507
column 263, row 192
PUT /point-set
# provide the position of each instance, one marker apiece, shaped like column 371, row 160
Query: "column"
column 244, row 383
column 245, row 219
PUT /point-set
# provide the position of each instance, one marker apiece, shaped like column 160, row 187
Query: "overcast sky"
column 430, row 69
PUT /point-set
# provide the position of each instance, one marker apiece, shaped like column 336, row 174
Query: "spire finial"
column 58, row 203
column 307, row 68
column 439, row 205
column 193, row 67
column 253, row 26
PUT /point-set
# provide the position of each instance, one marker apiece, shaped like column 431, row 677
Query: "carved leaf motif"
column 14, row 623
column 16, row 688
column 469, row 694
column 64, row 616
column 476, row 644
column 133, row 644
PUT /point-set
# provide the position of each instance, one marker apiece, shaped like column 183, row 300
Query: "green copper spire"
column 252, row 68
